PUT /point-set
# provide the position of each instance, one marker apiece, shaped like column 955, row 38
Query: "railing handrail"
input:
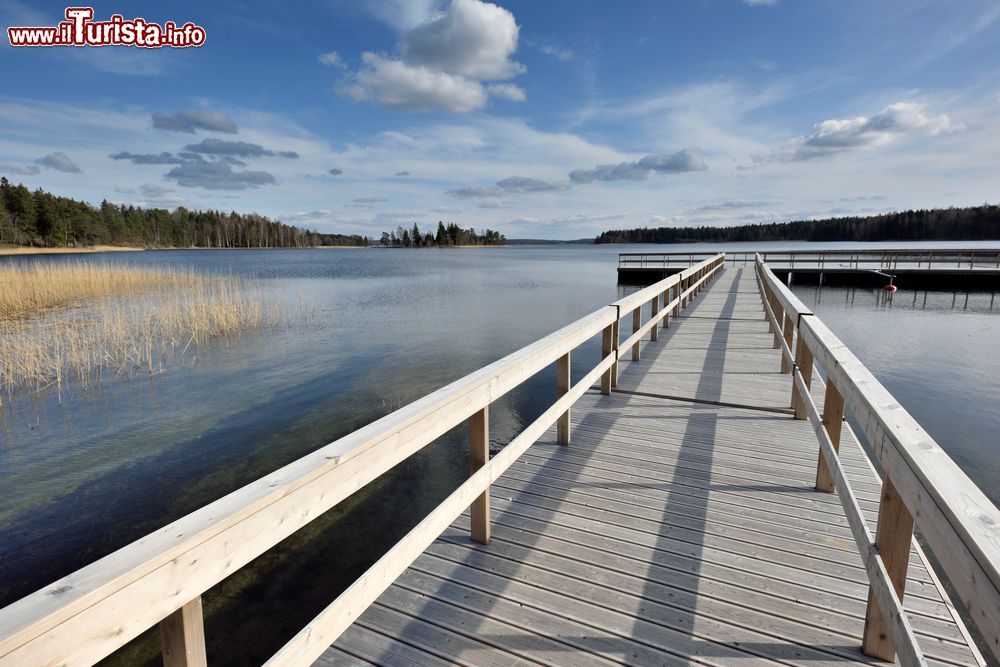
column 88, row 614
column 922, row 484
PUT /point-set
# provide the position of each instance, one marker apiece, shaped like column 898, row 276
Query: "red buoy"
column 890, row 288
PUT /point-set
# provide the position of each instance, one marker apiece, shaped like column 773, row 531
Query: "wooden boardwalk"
column 668, row 531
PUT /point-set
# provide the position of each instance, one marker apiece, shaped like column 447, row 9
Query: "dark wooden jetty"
column 694, row 498
column 914, row 268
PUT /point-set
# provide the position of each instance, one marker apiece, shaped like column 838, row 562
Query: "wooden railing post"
column 779, row 315
column 563, row 384
column 182, row 636
column 607, row 348
column 804, row 362
column 636, row 324
column 654, row 308
column 615, row 340
column 678, row 288
column 786, row 365
column 833, row 421
column 666, row 301
column 479, row 455
column 892, row 539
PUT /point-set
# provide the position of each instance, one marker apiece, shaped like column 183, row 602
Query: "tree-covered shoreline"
column 975, row 223
column 40, row 219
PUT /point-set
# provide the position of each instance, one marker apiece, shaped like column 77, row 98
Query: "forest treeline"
column 446, row 235
column 39, row 218
column 973, row 223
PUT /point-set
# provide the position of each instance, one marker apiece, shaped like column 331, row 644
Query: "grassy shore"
column 29, row 250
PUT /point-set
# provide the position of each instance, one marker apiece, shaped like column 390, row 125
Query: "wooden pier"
column 694, row 498
column 947, row 268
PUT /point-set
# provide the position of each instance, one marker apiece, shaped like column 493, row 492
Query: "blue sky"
column 542, row 119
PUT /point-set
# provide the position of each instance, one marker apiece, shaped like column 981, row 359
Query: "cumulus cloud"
column 153, row 190
column 524, row 184
column 192, row 120
column 443, row 62
column 335, row 171
column 332, row 59
column 217, row 176
column 25, row 170
column 235, row 149
column 834, row 136
column 507, row 91
column 402, row 87
column 473, row 39
column 60, row 162
column 688, row 159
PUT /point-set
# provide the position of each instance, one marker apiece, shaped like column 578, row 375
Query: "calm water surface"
column 87, row 472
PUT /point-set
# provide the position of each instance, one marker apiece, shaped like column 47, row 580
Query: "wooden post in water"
column 833, row 421
column 804, row 361
column 563, row 383
column 636, row 324
column 892, row 539
column 606, row 349
column 182, row 636
column 654, row 308
column 479, row 455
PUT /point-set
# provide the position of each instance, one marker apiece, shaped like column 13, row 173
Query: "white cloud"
column 20, row 170
column 507, row 91
column 525, row 184
column 472, row 38
column 443, row 63
column 331, row 59
column 830, row 137
column 556, row 52
column 402, row 14
column 398, row 86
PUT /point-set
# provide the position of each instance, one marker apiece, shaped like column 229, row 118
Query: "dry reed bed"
column 123, row 319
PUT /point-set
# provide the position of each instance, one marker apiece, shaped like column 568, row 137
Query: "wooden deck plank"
column 667, row 532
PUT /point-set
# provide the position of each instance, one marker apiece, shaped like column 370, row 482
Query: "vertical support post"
column 479, row 455
column 666, row 301
column 892, row 539
column 562, row 388
column 678, row 288
column 804, row 361
column 779, row 316
column 786, row 364
column 833, row 422
column 182, row 637
column 606, row 349
column 654, row 309
column 636, row 323
column 615, row 340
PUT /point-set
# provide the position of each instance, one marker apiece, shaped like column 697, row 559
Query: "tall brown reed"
column 138, row 320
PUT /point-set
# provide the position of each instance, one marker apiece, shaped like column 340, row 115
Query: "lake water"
column 87, row 472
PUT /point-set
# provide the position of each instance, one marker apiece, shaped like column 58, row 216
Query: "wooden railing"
column 159, row 579
column 921, row 487
column 829, row 260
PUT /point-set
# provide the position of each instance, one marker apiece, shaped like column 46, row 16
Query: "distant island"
column 975, row 223
column 41, row 220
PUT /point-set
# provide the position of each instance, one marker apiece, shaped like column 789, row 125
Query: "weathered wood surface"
column 667, row 532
